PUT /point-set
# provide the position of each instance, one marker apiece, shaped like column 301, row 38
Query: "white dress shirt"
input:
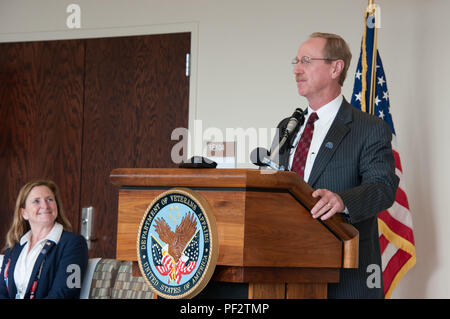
column 27, row 258
column 326, row 114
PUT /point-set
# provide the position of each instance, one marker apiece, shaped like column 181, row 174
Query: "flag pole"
column 367, row 106
column 374, row 59
column 364, row 65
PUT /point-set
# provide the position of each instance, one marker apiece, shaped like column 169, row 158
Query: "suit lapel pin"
column 329, row 145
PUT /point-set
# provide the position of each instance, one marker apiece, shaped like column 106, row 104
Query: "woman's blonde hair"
column 19, row 225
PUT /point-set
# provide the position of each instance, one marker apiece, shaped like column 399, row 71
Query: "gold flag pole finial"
column 371, row 7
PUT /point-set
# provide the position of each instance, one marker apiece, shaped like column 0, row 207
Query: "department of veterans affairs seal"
column 177, row 244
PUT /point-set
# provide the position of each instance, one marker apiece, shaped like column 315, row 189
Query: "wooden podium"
column 267, row 237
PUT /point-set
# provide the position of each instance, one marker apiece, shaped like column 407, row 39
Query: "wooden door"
column 136, row 94
column 41, row 103
column 74, row 110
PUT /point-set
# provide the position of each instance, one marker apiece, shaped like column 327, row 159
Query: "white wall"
column 242, row 77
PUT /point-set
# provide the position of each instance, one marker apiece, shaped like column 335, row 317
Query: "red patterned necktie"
column 301, row 153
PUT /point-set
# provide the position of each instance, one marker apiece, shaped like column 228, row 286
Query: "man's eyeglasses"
column 305, row 60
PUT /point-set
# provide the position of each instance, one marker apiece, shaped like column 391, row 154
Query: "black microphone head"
column 298, row 114
column 301, row 116
column 295, row 121
column 258, row 154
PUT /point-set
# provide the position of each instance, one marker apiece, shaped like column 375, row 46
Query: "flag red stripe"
column 397, row 227
column 401, row 198
column 393, row 267
column 398, row 163
column 383, row 243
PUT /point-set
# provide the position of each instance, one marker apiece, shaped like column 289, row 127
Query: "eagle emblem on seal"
column 180, row 253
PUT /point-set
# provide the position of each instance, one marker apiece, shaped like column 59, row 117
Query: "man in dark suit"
column 344, row 154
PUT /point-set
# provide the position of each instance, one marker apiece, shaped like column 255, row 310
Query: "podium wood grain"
column 267, row 236
column 244, row 221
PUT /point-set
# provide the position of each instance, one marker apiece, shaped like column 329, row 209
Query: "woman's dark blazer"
column 63, row 268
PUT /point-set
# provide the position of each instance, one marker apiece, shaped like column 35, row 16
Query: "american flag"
column 165, row 264
column 191, row 251
column 161, row 259
column 371, row 95
column 187, row 263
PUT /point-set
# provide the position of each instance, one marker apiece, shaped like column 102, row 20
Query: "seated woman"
column 43, row 259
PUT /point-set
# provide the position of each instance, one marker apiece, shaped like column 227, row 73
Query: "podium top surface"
column 211, row 177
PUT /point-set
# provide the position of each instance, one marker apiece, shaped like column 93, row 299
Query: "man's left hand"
column 329, row 204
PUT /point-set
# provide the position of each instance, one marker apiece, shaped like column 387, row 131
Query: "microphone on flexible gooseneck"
column 263, row 157
column 297, row 118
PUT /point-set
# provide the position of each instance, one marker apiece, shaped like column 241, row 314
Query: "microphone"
column 296, row 118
